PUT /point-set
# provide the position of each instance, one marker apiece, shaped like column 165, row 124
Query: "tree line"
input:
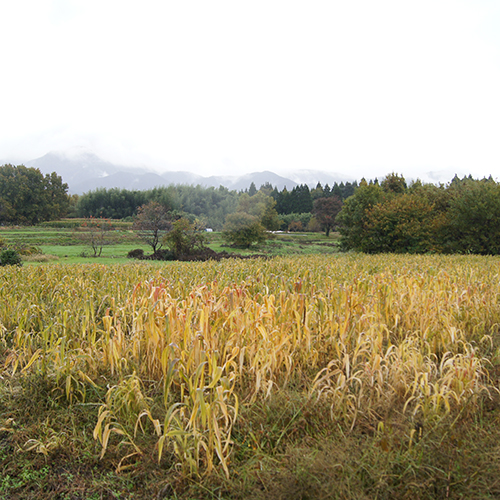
column 29, row 197
column 460, row 217
column 210, row 204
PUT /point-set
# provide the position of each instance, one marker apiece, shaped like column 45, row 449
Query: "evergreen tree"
column 284, row 202
column 266, row 188
column 317, row 192
column 300, row 199
column 337, row 190
column 348, row 189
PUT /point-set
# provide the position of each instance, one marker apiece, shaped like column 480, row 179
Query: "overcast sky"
column 359, row 87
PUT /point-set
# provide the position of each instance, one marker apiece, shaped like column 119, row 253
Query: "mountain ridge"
column 85, row 171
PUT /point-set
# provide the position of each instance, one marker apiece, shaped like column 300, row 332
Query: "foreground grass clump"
column 320, row 377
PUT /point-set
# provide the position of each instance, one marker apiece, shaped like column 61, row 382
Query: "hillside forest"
column 373, row 216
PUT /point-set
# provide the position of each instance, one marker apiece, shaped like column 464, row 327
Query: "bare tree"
column 96, row 233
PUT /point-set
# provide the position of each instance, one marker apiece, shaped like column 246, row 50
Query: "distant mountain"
column 440, row 176
column 243, row 182
column 312, row 177
column 179, row 177
column 80, row 168
column 84, row 171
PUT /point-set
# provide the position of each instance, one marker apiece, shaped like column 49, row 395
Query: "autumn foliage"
column 462, row 217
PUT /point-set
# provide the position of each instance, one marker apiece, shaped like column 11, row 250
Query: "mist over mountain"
column 84, row 171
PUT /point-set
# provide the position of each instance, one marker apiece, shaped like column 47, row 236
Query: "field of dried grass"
column 343, row 376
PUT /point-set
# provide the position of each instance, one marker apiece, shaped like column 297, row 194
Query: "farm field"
column 64, row 242
column 312, row 376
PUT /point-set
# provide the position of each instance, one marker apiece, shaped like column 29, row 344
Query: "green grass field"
column 67, row 245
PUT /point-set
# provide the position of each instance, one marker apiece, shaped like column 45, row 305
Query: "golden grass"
column 367, row 335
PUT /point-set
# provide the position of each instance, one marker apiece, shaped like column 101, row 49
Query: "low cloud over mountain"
column 85, row 171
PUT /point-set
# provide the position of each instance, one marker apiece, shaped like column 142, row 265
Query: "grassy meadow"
column 295, row 377
column 65, row 242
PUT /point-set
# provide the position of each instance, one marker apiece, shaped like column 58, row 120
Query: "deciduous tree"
column 473, row 217
column 394, row 183
column 403, row 224
column 27, row 197
column 352, row 219
column 262, row 207
column 326, row 211
column 96, row 233
column 151, row 223
column 185, row 238
column 243, row 230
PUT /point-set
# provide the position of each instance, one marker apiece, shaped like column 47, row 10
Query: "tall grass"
column 174, row 352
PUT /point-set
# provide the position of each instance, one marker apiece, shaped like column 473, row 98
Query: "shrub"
column 9, row 257
column 137, row 253
column 313, row 226
column 288, row 219
column 162, row 254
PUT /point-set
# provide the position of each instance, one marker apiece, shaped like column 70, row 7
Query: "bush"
column 162, row 254
column 9, row 257
column 290, row 219
column 137, row 253
column 313, row 226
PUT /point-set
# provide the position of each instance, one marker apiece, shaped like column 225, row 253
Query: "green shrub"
column 9, row 257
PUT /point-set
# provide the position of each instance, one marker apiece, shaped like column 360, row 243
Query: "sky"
column 358, row 87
